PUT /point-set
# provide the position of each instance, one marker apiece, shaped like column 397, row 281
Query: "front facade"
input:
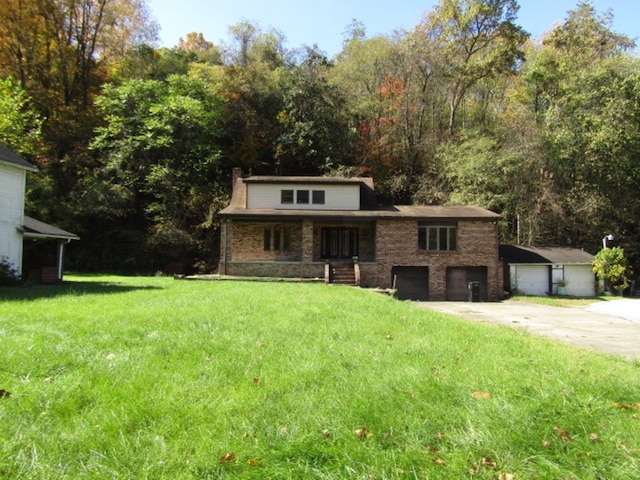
column 15, row 226
column 314, row 227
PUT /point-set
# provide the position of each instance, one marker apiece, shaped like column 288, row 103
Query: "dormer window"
column 318, row 197
column 302, row 196
column 286, row 196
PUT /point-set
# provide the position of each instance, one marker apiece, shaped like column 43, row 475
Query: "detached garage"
column 548, row 271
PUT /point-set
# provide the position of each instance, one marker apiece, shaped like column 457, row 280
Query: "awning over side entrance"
column 37, row 230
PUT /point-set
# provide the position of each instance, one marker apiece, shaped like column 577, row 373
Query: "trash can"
column 474, row 291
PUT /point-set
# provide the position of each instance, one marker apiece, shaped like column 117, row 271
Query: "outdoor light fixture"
column 604, row 240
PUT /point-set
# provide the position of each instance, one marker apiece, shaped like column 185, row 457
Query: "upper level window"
column 318, row 197
column 302, row 196
column 437, row 237
column 286, row 196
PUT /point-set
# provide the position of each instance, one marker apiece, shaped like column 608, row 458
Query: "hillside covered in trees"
column 135, row 143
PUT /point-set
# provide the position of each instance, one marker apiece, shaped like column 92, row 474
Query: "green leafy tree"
column 477, row 39
column 611, row 266
column 587, row 92
column 161, row 164
column 314, row 132
column 20, row 125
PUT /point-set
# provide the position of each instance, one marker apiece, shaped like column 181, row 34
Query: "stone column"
column 307, row 240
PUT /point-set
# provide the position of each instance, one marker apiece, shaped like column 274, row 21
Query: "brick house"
column 332, row 228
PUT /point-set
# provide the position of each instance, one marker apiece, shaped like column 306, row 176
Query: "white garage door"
column 580, row 280
column 531, row 279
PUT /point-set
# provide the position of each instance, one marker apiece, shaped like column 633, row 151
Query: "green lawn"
column 152, row 378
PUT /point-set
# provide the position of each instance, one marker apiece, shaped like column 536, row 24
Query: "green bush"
column 612, row 266
column 8, row 274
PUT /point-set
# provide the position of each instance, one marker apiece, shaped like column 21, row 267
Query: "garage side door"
column 458, row 279
column 411, row 283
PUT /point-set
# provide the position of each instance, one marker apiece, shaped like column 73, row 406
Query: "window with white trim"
column 437, row 237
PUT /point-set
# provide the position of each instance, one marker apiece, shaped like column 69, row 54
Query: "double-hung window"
column 286, row 197
column 437, row 237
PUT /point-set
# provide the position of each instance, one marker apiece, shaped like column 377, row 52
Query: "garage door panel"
column 411, row 283
column 458, row 279
column 580, row 280
column 533, row 279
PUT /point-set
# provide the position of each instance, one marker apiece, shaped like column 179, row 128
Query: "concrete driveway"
column 606, row 326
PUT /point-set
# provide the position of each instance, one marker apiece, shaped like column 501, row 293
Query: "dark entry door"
column 339, row 242
column 411, row 283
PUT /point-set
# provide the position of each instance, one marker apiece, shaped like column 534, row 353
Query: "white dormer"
column 300, row 193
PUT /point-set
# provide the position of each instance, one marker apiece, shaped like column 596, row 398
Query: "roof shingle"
column 10, row 157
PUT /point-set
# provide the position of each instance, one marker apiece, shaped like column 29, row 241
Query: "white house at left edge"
column 15, row 227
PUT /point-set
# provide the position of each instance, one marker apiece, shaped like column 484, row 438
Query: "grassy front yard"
column 151, row 378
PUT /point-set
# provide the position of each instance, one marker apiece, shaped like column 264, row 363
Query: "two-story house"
column 15, row 227
column 320, row 227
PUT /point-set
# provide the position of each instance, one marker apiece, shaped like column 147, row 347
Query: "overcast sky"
column 323, row 22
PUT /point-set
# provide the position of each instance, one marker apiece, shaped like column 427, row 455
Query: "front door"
column 339, row 242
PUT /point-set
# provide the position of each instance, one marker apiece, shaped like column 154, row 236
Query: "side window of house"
column 277, row 239
column 440, row 237
column 302, row 196
column 318, row 197
column 267, row 239
column 286, row 196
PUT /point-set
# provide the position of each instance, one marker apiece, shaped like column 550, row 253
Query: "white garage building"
column 548, row 271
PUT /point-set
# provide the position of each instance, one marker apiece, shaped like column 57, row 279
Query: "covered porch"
column 44, row 253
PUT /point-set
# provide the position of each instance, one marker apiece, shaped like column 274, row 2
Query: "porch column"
column 60, row 258
column 307, row 240
column 222, row 264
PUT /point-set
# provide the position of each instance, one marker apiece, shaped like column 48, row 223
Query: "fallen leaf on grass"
column 431, row 448
column 483, row 395
column 256, row 381
column 111, row 356
column 627, row 406
column 506, row 476
column 438, row 460
column 546, row 443
column 229, row 457
column 487, row 462
column 594, row 437
column 363, row 433
column 439, row 435
column 562, row 434
column 326, row 433
column 253, row 463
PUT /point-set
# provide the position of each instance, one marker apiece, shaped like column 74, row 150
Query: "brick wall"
column 245, row 241
column 383, row 245
column 397, row 245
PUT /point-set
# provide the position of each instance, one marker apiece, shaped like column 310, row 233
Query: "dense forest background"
column 135, row 143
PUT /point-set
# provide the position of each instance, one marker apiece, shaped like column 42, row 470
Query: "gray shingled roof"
column 544, row 255
column 397, row 212
column 36, row 229
column 10, row 157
